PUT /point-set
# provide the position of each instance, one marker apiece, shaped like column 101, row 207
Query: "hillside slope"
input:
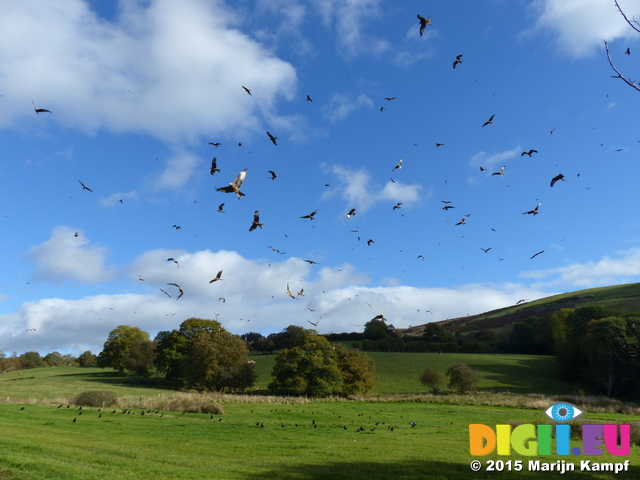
column 617, row 297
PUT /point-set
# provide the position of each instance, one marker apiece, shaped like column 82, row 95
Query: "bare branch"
column 619, row 75
column 630, row 22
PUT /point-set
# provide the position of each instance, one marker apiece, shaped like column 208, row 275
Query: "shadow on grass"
column 113, row 378
column 425, row 469
column 529, row 375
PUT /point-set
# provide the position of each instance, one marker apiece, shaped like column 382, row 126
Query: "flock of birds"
column 278, row 419
column 235, row 186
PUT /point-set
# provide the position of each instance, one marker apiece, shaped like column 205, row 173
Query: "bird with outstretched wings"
column 423, row 23
column 235, row 185
column 256, row 221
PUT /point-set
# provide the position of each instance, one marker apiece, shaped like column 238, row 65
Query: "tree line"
column 202, row 355
column 34, row 360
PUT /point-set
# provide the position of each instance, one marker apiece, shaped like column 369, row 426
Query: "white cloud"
column 358, row 189
column 606, row 271
column 66, row 256
column 176, row 173
column 339, row 297
column 174, row 73
column 580, row 26
column 341, row 105
column 349, row 18
column 491, row 161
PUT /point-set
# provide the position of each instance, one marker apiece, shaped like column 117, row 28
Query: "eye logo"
column 563, row 412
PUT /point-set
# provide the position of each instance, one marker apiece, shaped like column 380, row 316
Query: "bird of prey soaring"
column 235, row 185
column 447, row 207
column 215, row 144
column 628, row 52
column 84, row 187
column 273, row 174
column 536, row 254
column 351, row 213
column 500, row 172
column 482, row 169
column 214, row 166
column 556, row 178
column 314, row 324
column 534, row 211
column 464, row 217
column 166, row 293
column 457, row 61
column 398, row 166
column 309, row 99
column 247, row 90
column 379, row 317
column 171, row 259
column 218, row 277
column 311, row 262
column 439, row 144
column 220, row 208
column 423, row 23
column 179, row 288
column 310, row 216
column 40, row 110
column 488, row 122
column 256, row 221
column 388, row 99
column 397, row 206
column 530, row 152
column 273, row 139
column 177, row 227
column 289, row 294
column 369, row 242
column 486, row 250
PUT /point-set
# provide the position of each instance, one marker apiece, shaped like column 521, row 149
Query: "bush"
column 461, row 377
column 96, row 398
column 431, row 379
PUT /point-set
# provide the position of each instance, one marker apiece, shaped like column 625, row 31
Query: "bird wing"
column 237, row 183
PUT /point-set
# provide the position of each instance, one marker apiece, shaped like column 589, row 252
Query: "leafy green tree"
column 289, row 337
column 604, row 349
column 357, row 371
column 120, row 342
column 171, row 348
column 193, row 328
column 216, row 363
column 33, row 357
column 431, row 378
column 309, row 368
column 140, row 358
column 376, row 329
column 87, row 359
column 54, row 359
column 462, row 377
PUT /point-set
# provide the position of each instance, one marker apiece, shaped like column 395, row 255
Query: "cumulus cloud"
column 349, row 17
column 341, row 106
column 338, row 297
column 358, row 189
column 67, row 256
column 606, row 271
column 580, row 26
column 172, row 73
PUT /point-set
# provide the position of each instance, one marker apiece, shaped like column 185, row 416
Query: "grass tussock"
column 96, row 398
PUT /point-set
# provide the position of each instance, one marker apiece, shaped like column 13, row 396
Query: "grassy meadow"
column 266, row 437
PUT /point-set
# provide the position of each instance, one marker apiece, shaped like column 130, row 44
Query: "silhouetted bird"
column 84, row 187
column 488, row 122
column 457, row 61
column 218, row 277
column 556, row 178
column 423, row 23
column 530, row 152
column 310, row 216
column 235, row 185
column 534, row 211
column 256, row 221
column 309, row 99
column 247, row 90
column 214, row 166
column 273, row 139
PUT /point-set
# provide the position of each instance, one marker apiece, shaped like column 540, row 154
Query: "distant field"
column 395, row 373
column 42, row 442
column 398, row 372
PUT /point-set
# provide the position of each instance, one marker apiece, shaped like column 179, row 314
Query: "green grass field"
column 41, row 441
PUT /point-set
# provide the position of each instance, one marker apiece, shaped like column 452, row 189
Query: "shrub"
column 96, row 398
column 431, row 379
column 461, row 377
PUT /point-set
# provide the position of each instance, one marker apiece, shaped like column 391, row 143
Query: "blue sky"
column 137, row 90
